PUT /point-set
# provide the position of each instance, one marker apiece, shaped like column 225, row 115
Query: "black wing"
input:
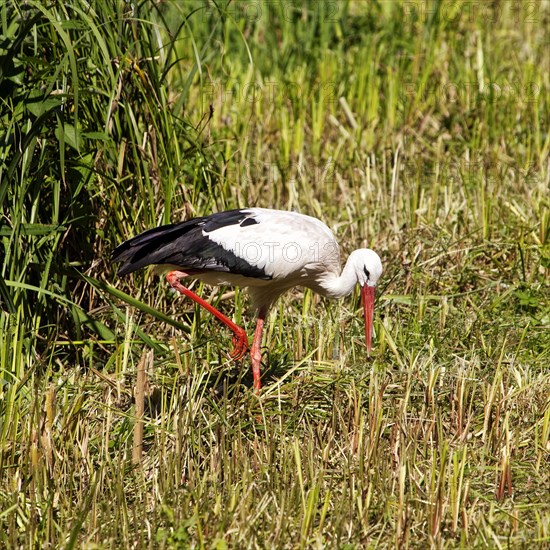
column 187, row 246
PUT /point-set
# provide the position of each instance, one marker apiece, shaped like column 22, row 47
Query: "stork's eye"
column 366, row 273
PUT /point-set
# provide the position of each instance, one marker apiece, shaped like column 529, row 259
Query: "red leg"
column 240, row 340
column 256, row 351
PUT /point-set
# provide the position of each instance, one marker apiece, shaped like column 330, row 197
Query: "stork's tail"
column 154, row 246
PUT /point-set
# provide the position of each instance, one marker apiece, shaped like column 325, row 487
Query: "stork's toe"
column 240, row 346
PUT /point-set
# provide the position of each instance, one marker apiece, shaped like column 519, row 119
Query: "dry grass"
column 419, row 129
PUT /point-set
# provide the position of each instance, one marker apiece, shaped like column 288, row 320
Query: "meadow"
column 418, row 129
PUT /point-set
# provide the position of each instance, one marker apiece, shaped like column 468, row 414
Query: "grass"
column 419, row 129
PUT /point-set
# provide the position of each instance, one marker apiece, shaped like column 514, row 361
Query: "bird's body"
column 267, row 251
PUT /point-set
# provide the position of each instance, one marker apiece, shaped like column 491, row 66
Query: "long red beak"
column 367, row 294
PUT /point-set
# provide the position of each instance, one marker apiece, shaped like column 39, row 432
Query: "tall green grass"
column 417, row 128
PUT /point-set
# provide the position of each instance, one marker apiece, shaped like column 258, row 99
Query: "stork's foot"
column 240, row 345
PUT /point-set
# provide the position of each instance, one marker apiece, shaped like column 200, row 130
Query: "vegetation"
column 419, row 129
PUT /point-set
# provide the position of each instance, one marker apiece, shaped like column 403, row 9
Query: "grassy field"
column 419, row 129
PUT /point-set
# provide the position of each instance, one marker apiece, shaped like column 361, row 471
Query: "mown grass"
column 417, row 128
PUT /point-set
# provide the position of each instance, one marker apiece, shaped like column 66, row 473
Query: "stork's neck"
column 333, row 285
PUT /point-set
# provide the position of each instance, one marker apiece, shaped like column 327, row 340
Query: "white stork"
column 268, row 251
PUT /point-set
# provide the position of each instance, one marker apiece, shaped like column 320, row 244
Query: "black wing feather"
column 186, row 246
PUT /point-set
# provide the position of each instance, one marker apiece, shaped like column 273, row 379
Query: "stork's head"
column 368, row 268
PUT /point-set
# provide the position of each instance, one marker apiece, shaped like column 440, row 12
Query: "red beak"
column 367, row 294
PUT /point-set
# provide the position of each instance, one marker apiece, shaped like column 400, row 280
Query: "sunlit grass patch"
column 416, row 128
